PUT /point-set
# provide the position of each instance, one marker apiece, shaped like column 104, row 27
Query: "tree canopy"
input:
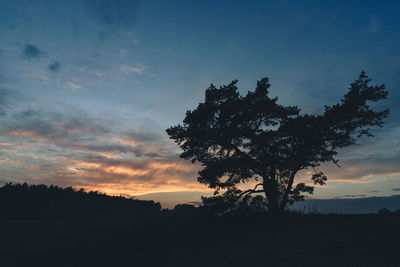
column 240, row 139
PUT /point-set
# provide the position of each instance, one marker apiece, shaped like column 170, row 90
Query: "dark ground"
column 296, row 240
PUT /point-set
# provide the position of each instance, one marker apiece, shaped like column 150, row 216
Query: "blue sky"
column 87, row 88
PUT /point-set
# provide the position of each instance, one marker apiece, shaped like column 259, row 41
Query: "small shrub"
column 383, row 211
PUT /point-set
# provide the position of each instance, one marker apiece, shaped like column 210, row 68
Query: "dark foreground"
column 308, row 240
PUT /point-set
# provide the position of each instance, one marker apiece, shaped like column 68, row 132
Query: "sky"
column 87, row 88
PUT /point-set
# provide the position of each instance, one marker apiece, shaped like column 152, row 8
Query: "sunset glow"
column 87, row 93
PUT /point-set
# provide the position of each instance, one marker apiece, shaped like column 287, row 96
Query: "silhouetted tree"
column 241, row 138
column 185, row 210
column 383, row 211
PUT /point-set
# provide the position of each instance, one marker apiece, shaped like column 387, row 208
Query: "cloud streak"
column 72, row 86
column 126, row 69
column 364, row 168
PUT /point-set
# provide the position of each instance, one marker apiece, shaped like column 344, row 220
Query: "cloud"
column 52, row 127
column 354, row 196
column 99, row 73
column 54, row 67
column 81, row 133
column 361, row 168
column 32, row 52
column 143, row 136
column 79, row 150
column 112, row 149
column 72, row 86
column 126, row 69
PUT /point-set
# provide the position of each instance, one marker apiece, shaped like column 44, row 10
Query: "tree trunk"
column 287, row 191
column 276, row 205
column 271, row 193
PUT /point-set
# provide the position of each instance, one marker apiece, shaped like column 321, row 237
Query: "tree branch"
column 250, row 191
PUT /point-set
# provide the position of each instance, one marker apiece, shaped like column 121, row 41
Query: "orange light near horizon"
column 126, row 171
column 132, row 189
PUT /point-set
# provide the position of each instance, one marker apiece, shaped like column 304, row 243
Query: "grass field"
column 296, row 240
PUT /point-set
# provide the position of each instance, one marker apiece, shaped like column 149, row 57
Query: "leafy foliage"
column 242, row 138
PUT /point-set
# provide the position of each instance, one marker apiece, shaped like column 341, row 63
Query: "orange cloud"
column 29, row 134
column 126, row 171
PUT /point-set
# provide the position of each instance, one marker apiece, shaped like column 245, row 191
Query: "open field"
column 297, row 240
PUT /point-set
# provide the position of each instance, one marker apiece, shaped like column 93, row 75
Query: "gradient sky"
column 87, row 88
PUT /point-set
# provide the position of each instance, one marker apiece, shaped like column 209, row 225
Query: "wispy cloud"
column 95, row 72
column 126, row 69
column 72, row 86
column 365, row 168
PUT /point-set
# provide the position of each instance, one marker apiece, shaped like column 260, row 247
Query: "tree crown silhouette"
column 238, row 139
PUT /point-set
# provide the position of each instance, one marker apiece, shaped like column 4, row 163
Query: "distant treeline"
column 41, row 201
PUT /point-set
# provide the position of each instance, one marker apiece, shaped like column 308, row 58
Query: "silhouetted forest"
column 23, row 201
column 41, row 201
